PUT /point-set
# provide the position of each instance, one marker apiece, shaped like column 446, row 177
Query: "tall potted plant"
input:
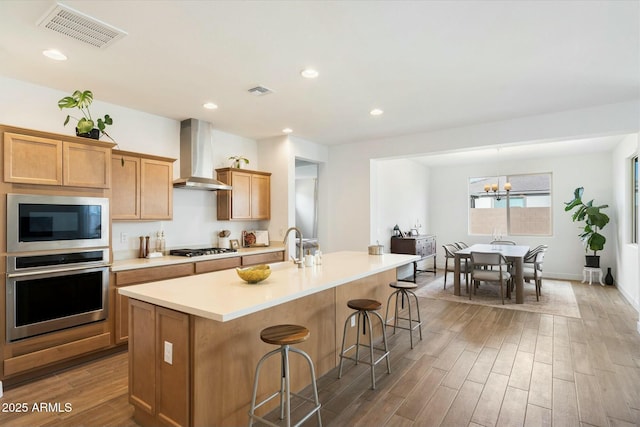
column 593, row 220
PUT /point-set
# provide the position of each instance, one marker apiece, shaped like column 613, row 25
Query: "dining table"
column 513, row 253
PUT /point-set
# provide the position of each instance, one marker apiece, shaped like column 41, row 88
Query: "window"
column 634, row 203
column 523, row 211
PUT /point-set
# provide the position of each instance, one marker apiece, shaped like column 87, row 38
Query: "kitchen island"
column 195, row 341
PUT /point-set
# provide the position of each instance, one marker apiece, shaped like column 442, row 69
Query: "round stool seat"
column 364, row 304
column 403, row 285
column 284, row 334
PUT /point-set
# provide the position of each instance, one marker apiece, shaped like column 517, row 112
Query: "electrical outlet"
column 168, row 352
column 124, row 237
column 353, row 321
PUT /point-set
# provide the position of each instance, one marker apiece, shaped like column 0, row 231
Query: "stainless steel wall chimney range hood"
column 196, row 157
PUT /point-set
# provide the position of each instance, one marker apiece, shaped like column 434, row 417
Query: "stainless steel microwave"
column 41, row 223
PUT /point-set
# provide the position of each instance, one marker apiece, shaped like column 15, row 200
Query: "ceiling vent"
column 260, row 91
column 71, row 23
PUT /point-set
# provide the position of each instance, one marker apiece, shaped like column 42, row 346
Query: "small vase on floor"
column 608, row 279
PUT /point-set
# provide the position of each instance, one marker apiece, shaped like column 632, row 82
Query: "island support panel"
column 224, row 355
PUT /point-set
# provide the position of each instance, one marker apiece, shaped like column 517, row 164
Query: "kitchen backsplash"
column 194, row 224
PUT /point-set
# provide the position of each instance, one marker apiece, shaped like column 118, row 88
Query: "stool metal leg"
column 285, row 389
column 410, row 319
column 316, row 400
column 344, row 338
column 418, row 323
column 366, row 324
column 287, row 380
column 418, row 310
column 384, row 340
column 373, row 365
column 255, row 386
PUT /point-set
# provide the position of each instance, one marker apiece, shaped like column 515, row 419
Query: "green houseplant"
column 86, row 126
column 238, row 160
column 593, row 220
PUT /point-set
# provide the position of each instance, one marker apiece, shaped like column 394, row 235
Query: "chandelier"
column 493, row 188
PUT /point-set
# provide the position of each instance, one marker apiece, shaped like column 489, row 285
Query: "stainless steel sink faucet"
column 300, row 260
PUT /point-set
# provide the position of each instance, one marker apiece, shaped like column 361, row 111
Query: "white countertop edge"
column 130, row 292
column 137, row 263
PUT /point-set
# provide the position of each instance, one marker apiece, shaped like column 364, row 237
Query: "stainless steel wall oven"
column 57, row 263
column 50, row 292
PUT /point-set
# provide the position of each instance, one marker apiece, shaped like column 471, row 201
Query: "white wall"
column 400, row 196
column 449, row 206
column 349, row 208
column 627, row 279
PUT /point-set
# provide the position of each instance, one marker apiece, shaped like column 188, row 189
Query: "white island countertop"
column 223, row 296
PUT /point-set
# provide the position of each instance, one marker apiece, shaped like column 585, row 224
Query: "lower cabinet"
column 159, row 364
column 133, row 277
column 265, row 258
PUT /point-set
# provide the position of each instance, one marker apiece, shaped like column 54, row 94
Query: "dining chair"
column 482, row 264
column 461, row 245
column 503, row 242
column 535, row 272
column 530, row 257
column 449, row 254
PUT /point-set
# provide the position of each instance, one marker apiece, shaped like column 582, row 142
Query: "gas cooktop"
column 200, row 252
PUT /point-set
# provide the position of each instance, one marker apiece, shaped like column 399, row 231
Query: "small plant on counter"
column 238, row 160
column 86, row 125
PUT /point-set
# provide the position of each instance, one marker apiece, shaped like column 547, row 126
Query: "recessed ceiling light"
column 210, row 106
column 54, row 54
column 287, row 130
column 376, row 112
column 309, row 73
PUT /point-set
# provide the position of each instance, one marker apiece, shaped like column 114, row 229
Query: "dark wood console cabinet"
column 424, row 246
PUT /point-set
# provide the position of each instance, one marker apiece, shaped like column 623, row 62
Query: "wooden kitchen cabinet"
column 265, row 258
column 250, row 198
column 159, row 373
column 44, row 159
column 142, row 186
column 217, row 264
column 134, row 277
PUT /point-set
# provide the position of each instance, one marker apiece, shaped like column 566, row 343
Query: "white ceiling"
column 427, row 64
column 510, row 153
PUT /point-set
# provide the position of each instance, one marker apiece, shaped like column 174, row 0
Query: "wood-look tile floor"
column 476, row 366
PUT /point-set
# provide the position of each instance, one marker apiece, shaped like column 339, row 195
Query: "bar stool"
column 363, row 309
column 285, row 336
column 404, row 290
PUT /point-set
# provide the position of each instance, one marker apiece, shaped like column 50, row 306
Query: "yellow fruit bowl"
column 254, row 274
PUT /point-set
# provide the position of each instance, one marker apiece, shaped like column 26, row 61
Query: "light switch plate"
column 353, row 321
column 168, row 352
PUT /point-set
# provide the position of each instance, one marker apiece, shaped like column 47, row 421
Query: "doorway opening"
column 306, row 201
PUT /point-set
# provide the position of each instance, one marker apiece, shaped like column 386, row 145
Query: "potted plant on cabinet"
column 594, row 220
column 86, row 126
column 238, row 160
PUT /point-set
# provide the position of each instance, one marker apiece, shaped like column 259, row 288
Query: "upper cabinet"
column 142, row 186
column 36, row 158
column 250, row 197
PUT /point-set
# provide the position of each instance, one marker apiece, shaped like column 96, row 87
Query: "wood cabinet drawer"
column 217, row 264
column 263, row 258
column 55, row 354
column 151, row 274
